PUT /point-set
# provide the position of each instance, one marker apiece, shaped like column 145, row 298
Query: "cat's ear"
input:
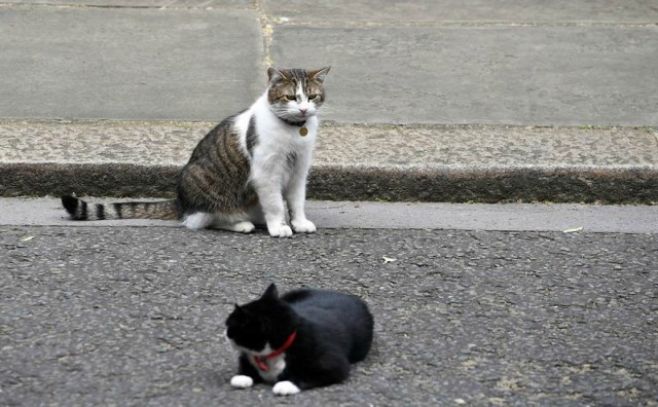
column 319, row 74
column 275, row 75
column 271, row 292
column 238, row 309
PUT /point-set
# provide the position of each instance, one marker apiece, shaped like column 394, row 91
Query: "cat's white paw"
column 279, row 230
column 198, row 220
column 303, row 226
column 240, row 381
column 285, row 388
column 243, row 227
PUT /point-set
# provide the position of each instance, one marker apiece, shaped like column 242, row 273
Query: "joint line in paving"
column 267, row 32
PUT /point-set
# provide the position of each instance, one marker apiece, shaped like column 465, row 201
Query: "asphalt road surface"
column 134, row 315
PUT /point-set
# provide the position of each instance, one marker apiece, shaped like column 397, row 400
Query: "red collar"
column 261, row 361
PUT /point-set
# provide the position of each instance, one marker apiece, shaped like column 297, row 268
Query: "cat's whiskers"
column 229, row 341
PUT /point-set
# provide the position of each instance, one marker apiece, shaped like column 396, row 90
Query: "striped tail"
column 81, row 210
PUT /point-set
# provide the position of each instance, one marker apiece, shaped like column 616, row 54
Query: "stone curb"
column 356, row 183
column 353, row 162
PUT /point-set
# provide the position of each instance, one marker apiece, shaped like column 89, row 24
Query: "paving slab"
column 207, row 4
column 433, row 12
column 535, row 75
column 128, row 63
column 352, row 162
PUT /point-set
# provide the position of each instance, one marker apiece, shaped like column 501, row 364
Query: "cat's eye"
column 291, row 97
column 311, row 97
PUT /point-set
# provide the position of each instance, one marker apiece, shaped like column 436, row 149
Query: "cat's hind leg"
column 234, row 223
column 256, row 215
column 198, row 220
column 241, row 227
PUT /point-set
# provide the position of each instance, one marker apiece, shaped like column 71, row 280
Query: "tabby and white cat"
column 305, row 338
column 246, row 169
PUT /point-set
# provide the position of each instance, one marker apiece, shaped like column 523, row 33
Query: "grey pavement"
column 476, row 12
column 168, row 4
column 133, row 316
column 128, row 63
column 428, row 100
column 560, row 75
column 520, row 62
column 567, row 218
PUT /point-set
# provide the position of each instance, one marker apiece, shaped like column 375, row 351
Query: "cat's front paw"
column 285, row 388
column 303, row 226
column 279, row 230
column 240, row 381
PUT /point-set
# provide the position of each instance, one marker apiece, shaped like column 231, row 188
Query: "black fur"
column 70, row 204
column 100, row 212
column 117, row 209
column 83, row 210
column 75, row 207
column 292, row 123
column 251, row 135
column 333, row 330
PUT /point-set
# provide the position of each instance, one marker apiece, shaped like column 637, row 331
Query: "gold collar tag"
column 303, row 131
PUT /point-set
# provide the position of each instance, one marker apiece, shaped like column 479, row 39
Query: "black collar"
column 291, row 123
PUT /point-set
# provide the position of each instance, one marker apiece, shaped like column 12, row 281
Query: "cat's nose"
column 303, row 111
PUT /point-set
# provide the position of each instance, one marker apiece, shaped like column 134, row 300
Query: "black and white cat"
column 306, row 338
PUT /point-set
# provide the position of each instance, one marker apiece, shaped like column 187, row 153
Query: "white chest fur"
column 276, row 139
column 275, row 366
column 280, row 158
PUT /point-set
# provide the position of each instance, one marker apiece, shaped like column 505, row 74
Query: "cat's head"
column 266, row 321
column 296, row 94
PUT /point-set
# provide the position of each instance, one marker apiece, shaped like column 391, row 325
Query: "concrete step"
column 524, row 62
column 80, row 62
column 449, row 163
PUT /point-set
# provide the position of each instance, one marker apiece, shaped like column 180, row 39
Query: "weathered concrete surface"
column 459, row 73
column 568, row 218
column 352, row 162
column 437, row 12
column 206, row 4
column 536, row 75
column 128, row 63
column 134, row 316
column 446, row 62
column 379, row 146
